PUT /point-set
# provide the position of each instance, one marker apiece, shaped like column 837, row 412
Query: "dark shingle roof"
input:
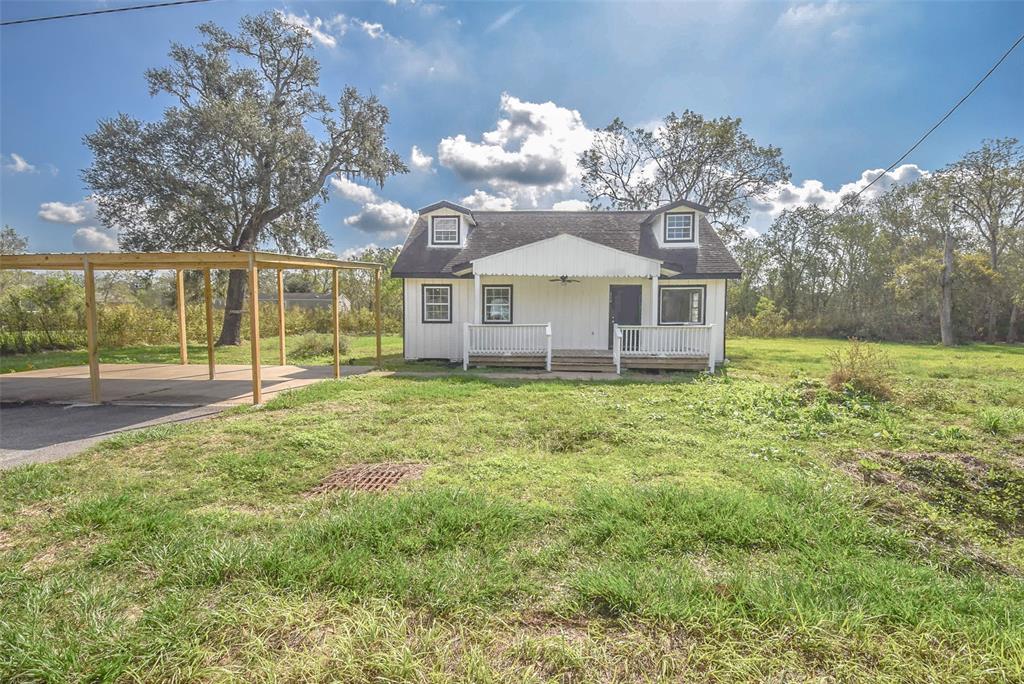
column 498, row 231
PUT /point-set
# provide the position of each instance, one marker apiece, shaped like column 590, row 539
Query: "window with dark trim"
column 437, row 303
column 444, row 230
column 681, row 304
column 497, row 304
column 679, row 226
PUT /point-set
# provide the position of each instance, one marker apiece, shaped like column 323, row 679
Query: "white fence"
column 668, row 341
column 532, row 339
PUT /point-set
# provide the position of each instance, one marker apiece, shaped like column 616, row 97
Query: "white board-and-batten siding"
column 578, row 312
column 566, row 255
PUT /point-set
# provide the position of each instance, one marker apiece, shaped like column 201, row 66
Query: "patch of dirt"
column 56, row 554
column 5, row 540
column 959, row 483
column 369, row 477
column 39, row 510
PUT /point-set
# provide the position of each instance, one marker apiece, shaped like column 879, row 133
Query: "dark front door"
column 623, row 307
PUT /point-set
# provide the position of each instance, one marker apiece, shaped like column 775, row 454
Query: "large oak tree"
column 709, row 161
column 241, row 159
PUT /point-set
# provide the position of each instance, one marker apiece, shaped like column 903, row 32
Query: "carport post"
column 376, row 311
column 208, row 293
column 179, row 276
column 280, row 313
column 90, row 330
column 336, row 323
column 254, row 328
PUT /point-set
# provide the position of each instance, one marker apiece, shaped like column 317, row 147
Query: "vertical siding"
column 578, row 312
column 436, row 340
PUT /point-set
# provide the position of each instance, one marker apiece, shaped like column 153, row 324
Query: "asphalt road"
column 38, row 433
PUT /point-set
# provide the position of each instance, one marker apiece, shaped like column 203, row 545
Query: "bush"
column 313, row 345
column 766, row 322
column 864, row 368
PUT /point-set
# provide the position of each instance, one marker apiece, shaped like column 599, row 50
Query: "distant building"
column 307, row 300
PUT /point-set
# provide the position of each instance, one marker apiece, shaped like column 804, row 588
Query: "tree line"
column 942, row 258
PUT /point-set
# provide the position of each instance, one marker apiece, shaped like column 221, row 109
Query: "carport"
column 180, row 262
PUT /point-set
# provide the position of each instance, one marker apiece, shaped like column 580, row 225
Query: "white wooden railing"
column 531, row 339
column 664, row 341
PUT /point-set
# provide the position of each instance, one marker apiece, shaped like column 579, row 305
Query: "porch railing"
column 530, row 339
column 668, row 341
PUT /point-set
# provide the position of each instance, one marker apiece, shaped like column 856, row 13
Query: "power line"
column 931, row 130
column 104, row 11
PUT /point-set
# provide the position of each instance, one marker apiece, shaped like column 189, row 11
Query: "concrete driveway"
column 37, row 433
column 46, row 415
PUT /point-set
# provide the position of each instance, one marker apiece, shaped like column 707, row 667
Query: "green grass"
column 748, row 527
column 362, row 351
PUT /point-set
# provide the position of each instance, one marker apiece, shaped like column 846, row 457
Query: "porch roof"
column 566, row 255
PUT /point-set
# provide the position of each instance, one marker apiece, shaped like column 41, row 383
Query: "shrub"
column 767, row 321
column 312, row 345
column 864, row 368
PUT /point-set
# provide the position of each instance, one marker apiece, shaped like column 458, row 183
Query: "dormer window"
column 679, row 226
column 444, row 230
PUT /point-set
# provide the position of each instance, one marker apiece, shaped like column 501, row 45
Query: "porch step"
column 582, row 360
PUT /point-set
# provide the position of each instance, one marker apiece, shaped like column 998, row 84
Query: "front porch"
column 654, row 347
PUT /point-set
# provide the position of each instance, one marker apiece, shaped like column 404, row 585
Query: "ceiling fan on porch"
column 564, row 280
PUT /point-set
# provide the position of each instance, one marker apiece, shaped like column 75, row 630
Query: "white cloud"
column 811, row 15
column 484, row 201
column 19, row 165
column 420, row 161
column 814, row 192
column 804, row 23
column 386, row 219
column 571, row 205
column 59, row 212
column 372, row 29
column 324, row 31
column 353, row 191
column 529, row 156
column 355, row 252
column 95, row 239
column 503, row 19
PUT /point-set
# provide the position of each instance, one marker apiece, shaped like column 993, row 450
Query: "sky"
column 492, row 102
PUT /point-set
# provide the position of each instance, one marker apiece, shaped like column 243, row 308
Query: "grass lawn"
column 362, row 351
column 753, row 526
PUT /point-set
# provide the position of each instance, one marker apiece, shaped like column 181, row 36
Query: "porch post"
column 211, row 359
column 477, row 303
column 179, row 278
column 90, row 330
column 654, row 300
column 254, row 329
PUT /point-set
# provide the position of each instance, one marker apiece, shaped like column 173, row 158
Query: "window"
column 444, row 230
column 681, row 305
column 679, row 227
column 497, row 303
column 437, row 303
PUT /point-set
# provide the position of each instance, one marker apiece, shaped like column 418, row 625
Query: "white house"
column 587, row 290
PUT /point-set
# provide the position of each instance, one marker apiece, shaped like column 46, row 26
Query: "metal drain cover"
column 369, row 477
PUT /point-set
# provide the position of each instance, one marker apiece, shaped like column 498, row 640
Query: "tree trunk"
column 1011, row 334
column 946, row 282
column 993, row 300
column 234, row 304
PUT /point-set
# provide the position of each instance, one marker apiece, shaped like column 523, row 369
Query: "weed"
column 865, row 368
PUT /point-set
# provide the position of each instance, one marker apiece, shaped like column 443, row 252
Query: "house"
column 562, row 290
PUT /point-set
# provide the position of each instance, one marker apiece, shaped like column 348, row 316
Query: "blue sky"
column 498, row 98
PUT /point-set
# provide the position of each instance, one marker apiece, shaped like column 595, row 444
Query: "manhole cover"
column 369, row 477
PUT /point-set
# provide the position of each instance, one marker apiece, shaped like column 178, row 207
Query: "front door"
column 623, row 307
